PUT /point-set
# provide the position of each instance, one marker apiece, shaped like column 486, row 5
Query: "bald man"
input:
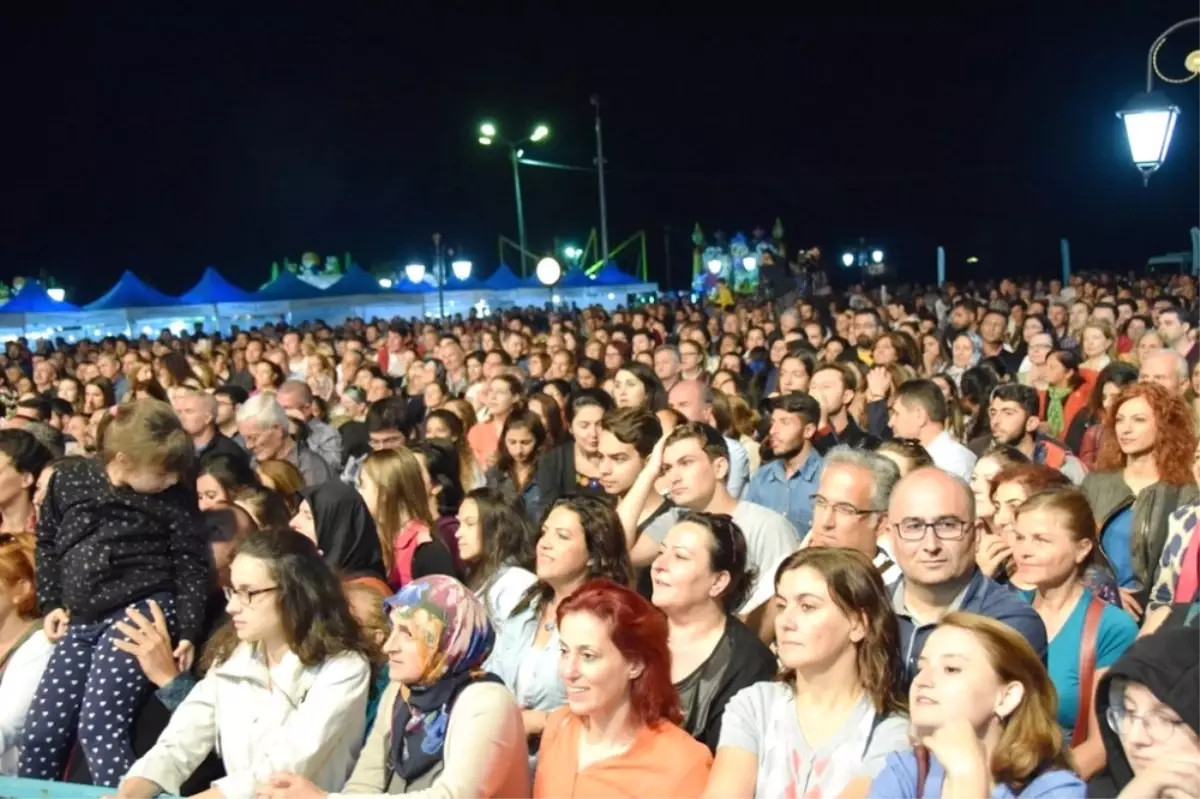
column 1166, row 368
column 931, row 524
column 694, row 400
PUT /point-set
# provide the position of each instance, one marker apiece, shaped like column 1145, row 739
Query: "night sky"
column 162, row 139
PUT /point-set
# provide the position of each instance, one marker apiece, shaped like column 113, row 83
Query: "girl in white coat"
column 289, row 693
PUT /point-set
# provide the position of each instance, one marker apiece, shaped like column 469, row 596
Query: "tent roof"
column 356, row 280
column 611, row 275
column 32, row 298
column 503, row 279
column 575, row 279
column 131, row 292
column 212, row 289
column 406, row 286
column 288, row 287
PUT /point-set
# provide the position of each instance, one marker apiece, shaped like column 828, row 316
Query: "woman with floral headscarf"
column 446, row 727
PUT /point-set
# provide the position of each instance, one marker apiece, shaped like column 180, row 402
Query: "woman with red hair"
column 619, row 733
column 24, row 648
column 1142, row 476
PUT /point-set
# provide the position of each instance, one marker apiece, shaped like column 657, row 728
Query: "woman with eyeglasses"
column 1149, row 710
column 287, row 691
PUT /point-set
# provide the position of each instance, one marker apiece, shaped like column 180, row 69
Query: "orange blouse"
column 664, row 761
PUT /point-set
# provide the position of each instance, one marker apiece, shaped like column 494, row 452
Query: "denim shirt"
column 789, row 496
column 530, row 673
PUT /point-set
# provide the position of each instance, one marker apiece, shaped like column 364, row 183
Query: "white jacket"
column 20, row 682
column 305, row 720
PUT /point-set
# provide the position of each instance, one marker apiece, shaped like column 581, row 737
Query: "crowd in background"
column 887, row 543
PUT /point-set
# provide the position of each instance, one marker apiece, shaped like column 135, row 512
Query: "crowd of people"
column 916, row 543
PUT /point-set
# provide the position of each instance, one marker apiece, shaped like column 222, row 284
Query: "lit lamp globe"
column 714, row 265
column 877, row 256
column 749, row 263
column 548, row 271
column 415, row 272
column 848, row 259
column 1149, row 124
column 462, row 269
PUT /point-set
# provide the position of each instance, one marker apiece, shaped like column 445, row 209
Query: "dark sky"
column 161, row 139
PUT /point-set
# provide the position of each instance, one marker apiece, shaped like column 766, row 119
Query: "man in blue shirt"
column 931, row 522
column 786, row 484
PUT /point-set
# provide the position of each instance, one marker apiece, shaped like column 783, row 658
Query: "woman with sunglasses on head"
column 446, row 727
column 286, row 692
column 826, row 727
column 982, row 711
column 700, row 578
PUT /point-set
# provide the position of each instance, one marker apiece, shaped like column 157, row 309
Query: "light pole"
column 1150, row 116
column 439, row 271
column 600, row 176
column 489, row 134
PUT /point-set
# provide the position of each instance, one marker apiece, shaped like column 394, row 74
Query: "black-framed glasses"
column 946, row 528
column 246, row 595
column 843, row 509
column 1158, row 727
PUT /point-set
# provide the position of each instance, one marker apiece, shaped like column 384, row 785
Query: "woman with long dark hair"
column 522, row 443
column 286, row 691
column 495, row 541
column 581, row 539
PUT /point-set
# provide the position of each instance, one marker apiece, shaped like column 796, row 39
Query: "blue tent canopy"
column 32, row 298
column 611, row 275
column 406, row 286
column 575, row 279
column 287, row 287
column 472, row 283
column 212, row 289
column 503, row 279
column 131, row 292
column 356, row 280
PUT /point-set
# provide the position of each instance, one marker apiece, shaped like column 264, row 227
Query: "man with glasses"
column 931, row 521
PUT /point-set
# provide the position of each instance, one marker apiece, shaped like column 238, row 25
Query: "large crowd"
column 901, row 543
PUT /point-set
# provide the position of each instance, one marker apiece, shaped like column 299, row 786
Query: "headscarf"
column 346, row 533
column 451, row 627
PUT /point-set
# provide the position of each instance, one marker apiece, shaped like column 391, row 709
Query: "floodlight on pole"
column 548, row 271
column 877, row 256
column 386, row 283
column 848, row 259
column 539, row 133
column 749, row 263
column 714, row 265
column 462, row 269
column 488, row 129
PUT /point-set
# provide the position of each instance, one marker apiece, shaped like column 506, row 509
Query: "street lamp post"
column 1150, row 116
column 439, row 271
column 488, row 134
column 600, row 177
